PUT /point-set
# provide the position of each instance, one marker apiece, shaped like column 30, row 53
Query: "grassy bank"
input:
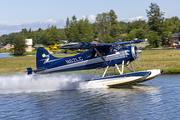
column 168, row 60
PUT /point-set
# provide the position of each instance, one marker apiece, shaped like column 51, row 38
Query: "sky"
column 16, row 15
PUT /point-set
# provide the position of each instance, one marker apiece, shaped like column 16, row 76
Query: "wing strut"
column 101, row 56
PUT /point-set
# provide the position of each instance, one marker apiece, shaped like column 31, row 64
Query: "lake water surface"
column 63, row 96
column 5, row 55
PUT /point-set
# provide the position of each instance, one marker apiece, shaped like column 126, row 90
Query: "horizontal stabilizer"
column 29, row 70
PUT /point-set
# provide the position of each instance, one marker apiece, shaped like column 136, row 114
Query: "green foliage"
column 123, row 27
column 103, row 27
column 136, row 33
column 29, row 53
column 132, row 35
column 79, row 31
column 114, row 28
column 137, row 24
column 9, row 39
column 19, row 44
column 140, row 34
column 156, row 18
column 2, row 39
column 85, row 31
column 71, row 31
column 51, row 36
column 4, row 51
column 62, row 34
column 107, row 27
column 172, row 25
column 165, row 37
column 154, row 39
column 25, row 32
column 123, row 37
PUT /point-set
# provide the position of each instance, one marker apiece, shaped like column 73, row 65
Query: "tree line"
column 106, row 28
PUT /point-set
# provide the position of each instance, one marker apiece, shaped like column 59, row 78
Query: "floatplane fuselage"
column 99, row 55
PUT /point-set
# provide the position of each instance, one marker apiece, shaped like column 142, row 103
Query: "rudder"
column 42, row 57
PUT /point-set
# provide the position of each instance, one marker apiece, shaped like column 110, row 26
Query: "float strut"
column 105, row 71
column 119, row 69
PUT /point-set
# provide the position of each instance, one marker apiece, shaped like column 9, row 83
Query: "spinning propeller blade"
column 138, row 62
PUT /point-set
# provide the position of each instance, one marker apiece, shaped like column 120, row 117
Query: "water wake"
column 22, row 83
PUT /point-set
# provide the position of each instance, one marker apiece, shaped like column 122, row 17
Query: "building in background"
column 8, row 46
column 175, row 40
column 29, row 44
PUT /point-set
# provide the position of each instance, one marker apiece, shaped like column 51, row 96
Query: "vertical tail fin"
column 42, row 57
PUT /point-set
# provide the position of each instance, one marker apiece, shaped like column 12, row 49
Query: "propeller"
column 138, row 62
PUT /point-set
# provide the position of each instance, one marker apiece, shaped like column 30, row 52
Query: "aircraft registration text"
column 74, row 60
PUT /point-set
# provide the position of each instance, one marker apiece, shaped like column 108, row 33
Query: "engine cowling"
column 135, row 52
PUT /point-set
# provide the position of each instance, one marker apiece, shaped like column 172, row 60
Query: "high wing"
column 128, row 42
column 86, row 45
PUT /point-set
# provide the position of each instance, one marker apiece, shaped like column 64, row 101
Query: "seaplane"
column 97, row 56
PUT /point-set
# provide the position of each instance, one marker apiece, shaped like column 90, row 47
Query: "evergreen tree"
column 114, row 26
column 67, row 29
column 155, row 18
column 73, row 31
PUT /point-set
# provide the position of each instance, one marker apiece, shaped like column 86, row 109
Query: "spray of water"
column 22, row 83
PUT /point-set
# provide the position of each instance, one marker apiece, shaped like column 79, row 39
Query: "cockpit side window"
column 125, row 48
column 101, row 52
column 113, row 50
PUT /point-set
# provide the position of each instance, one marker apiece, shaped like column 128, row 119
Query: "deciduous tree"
column 19, row 44
column 154, row 39
column 172, row 25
